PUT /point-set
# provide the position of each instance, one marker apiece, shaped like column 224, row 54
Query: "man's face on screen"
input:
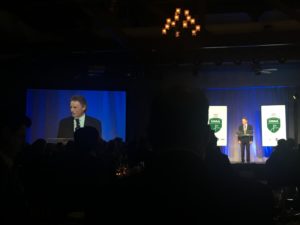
column 77, row 109
column 244, row 121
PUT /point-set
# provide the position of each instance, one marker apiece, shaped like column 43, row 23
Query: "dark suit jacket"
column 66, row 126
column 249, row 131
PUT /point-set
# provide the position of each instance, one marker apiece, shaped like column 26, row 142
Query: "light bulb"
column 184, row 24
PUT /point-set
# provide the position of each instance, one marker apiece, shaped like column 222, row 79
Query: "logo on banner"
column 215, row 124
column 273, row 124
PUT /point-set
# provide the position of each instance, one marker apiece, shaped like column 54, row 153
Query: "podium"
column 245, row 136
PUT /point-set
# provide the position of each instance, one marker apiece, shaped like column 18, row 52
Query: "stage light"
column 184, row 24
column 295, row 96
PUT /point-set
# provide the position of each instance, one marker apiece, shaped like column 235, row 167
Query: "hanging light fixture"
column 186, row 12
column 182, row 23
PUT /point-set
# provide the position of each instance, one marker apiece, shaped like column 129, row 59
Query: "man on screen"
column 69, row 125
column 245, row 138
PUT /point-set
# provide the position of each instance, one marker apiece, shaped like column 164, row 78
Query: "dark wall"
column 12, row 89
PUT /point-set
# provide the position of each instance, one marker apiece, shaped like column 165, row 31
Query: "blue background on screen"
column 47, row 107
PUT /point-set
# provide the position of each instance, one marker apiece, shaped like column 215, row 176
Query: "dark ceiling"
column 128, row 32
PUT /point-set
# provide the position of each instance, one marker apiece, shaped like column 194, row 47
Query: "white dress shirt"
column 81, row 122
column 245, row 128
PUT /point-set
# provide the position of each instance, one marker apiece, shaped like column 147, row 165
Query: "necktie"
column 77, row 124
column 245, row 128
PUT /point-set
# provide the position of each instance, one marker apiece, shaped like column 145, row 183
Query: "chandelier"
column 181, row 23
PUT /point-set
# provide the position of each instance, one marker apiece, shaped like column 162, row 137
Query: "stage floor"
column 256, row 160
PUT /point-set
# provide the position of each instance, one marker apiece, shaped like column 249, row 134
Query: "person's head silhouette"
column 178, row 120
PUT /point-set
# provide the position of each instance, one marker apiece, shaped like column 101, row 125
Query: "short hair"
column 80, row 99
column 244, row 118
column 178, row 118
column 86, row 138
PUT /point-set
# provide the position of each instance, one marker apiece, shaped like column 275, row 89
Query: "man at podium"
column 245, row 138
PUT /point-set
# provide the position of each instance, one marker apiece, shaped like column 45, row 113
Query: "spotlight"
column 295, row 96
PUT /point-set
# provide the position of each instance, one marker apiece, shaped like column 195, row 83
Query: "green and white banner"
column 273, row 121
column 217, row 119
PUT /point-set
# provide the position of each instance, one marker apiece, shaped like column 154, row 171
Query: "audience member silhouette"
column 176, row 186
column 186, row 179
column 282, row 172
column 217, row 164
column 281, row 167
column 84, row 174
column 13, row 204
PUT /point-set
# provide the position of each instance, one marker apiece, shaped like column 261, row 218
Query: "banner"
column 273, row 125
column 217, row 119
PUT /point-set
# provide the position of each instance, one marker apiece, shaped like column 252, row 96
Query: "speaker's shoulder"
column 66, row 119
column 92, row 119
